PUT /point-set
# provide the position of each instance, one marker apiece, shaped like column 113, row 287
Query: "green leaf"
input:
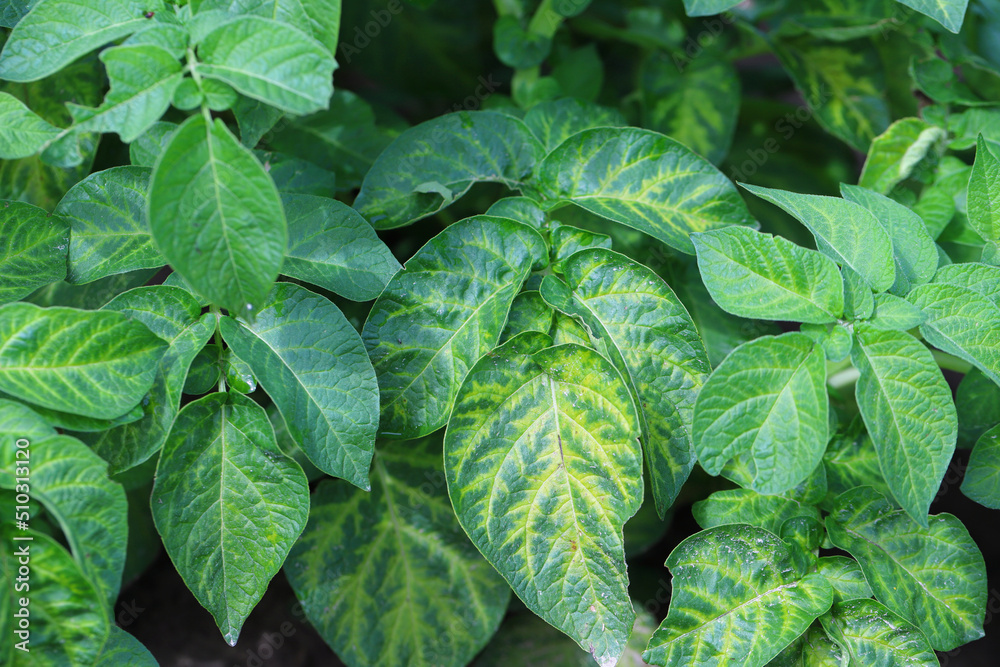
column 859, row 302
column 767, row 400
column 835, row 339
column 124, row 649
column 239, row 375
column 896, row 153
column 439, row 315
column 544, row 468
column 895, row 314
column 914, row 253
column 343, row 139
column 844, row 231
column 68, row 622
column 697, row 103
column 870, row 634
column 107, row 215
column 228, row 504
column 528, row 312
column 331, row 245
column 522, row 209
column 566, row 241
column 962, row 322
column 205, row 371
column 984, row 193
column 556, row 121
column 319, row 18
column 906, row 405
column 144, row 151
column 175, row 316
column 851, row 460
column 19, row 421
column 313, row 365
column 32, row 249
column 755, row 275
column 641, row 179
column 35, row 50
column 977, row 401
column 22, row 131
column 650, row 338
column 12, row 11
column 95, row 364
column 980, row 278
column 454, row 152
column 80, row 424
column 813, row 648
column 903, row 563
column 949, row 13
column 395, row 614
column 72, row 483
column 843, row 84
column 846, row 577
column 269, row 61
column 749, row 507
column 255, row 119
column 708, row 7
column 737, row 599
column 143, row 80
column 517, row 47
column 982, row 476
column 216, row 215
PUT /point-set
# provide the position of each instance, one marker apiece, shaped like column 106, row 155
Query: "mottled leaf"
column 902, row 562
column 400, row 611
column 544, row 467
column 737, row 599
column 439, row 315
column 641, row 179
column 33, row 249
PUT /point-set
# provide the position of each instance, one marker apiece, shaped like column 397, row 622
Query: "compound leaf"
column 72, row 484
column 175, row 316
column 982, row 477
column 963, row 322
column 331, row 245
column 873, row 635
column 750, row 507
column 143, row 79
column 36, row 48
column 649, row 336
column 433, row 164
column 845, row 231
column 68, row 623
column 269, row 61
column 33, row 249
column 107, row 215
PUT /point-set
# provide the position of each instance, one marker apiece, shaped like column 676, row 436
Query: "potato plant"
column 735, row 260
